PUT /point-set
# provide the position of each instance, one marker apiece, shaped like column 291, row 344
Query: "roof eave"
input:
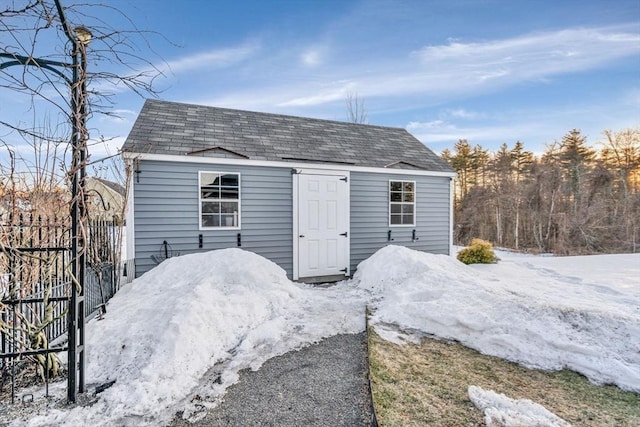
column 130, row 155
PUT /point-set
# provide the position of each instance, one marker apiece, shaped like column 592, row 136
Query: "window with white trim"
column 219, row 200
column 402, row 203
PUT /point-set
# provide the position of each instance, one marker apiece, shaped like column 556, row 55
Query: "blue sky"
column 490, row 71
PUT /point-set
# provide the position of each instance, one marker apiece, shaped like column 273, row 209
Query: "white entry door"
column 323, row 225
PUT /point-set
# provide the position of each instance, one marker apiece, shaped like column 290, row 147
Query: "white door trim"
column 296, row 211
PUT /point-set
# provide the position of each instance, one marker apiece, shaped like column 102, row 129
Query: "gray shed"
column 314, row 196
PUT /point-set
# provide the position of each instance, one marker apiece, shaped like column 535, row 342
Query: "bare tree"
column 571, row 199
column 46, row 57
column 356, row 111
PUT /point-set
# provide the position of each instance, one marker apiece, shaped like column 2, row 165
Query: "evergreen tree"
column 575, row 157
column 461, row 163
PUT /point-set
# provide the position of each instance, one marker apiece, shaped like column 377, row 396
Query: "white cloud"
column 464, row 114
column 444, row 134
column 441, row 130
column 109, row 146
column 337, row 91
column 535, row 126
column 448, row 71
column 446, row 75
column 211, row 59
column 563, row 43
column 321, row 98
column 531, row 56
column 312, row 57
column 434, row 124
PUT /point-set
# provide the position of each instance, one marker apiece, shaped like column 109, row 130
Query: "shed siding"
column 370, row 215
column 166, row 208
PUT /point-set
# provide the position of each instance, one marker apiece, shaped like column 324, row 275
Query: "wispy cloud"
column 212, row 59
column 202, row 61
column 336, row 92
column 312, row 57
column 100, row 149
column 456, row 68
column 464, row 114
column 534, row 127
column 532, row 56
column 447, row 75
column 445, row 133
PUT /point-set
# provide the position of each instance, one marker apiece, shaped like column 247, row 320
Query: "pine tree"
column 575, row 157
column 521, row 165
column 461, row 163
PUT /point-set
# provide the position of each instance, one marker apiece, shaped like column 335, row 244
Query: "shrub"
column 478, row 252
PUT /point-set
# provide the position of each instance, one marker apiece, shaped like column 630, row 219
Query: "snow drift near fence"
column 512, row 310
column 164, row 330
column 235, row 309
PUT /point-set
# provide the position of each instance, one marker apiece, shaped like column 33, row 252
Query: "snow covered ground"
column 233, row 309
column 502, row 411
column 577, row 312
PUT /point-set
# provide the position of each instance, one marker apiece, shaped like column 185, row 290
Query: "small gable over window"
column 217, row 152
column 401, row 164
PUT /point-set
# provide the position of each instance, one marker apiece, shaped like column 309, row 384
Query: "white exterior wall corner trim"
column 280, row 164
column 296, row 230
column 130, row 222
column 451, row 210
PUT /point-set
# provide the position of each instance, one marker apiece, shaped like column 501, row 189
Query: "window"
column 402, row 203
column 219, row 200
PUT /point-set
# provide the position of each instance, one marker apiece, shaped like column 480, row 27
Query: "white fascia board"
column 278, row 164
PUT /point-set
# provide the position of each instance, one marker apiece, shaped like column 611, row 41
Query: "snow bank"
column 514, row 310
column 501, row 411
column 234, row 309
column 165, row 330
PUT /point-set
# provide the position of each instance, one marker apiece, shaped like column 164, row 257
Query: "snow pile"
column 231, row 308
column 513, row 310
column 501, row 411
column 165, row 330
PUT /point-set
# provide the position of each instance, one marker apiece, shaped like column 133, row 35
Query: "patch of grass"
column 426, row 385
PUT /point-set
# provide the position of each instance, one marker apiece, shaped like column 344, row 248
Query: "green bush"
column 478, row 252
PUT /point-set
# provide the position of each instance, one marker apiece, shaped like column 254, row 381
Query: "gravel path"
column 325, row 384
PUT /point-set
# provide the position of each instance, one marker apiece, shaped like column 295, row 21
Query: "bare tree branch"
column 356, row 111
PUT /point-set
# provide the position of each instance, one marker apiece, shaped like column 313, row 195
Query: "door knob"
column 302, row 235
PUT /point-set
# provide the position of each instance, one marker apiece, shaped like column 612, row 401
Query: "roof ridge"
column 290, row 116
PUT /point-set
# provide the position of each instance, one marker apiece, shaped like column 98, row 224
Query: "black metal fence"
column 35, row 283
column 103, row 261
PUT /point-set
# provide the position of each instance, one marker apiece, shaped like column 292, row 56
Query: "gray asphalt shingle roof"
column 112, row 185
column 196, row 130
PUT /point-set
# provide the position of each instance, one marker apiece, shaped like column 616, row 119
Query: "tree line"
column 573, row 198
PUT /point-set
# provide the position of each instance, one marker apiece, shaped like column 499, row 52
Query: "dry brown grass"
column 426, row 385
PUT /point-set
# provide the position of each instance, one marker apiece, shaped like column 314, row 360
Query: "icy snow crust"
column 518, row 309
column 502, row 411
column 234, row 309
